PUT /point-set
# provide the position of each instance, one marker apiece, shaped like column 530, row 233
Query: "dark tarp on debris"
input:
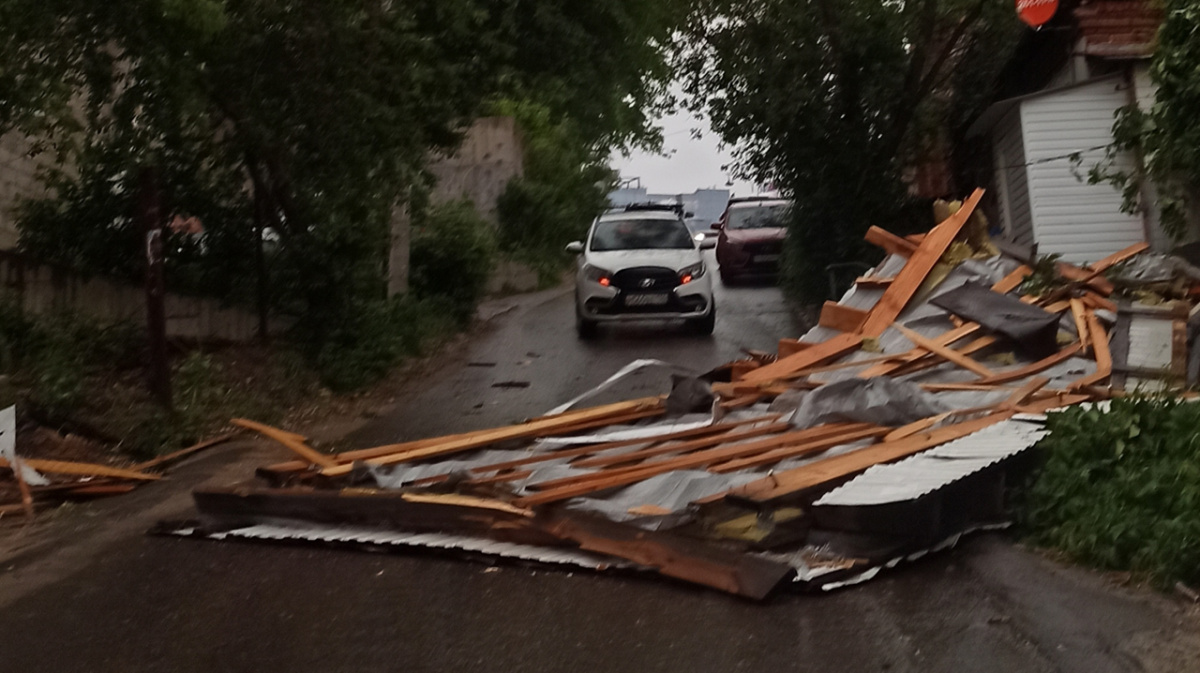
column 1033, row 329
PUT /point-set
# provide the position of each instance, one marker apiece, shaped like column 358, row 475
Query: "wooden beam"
column 1078, row 312
column 748, row 575
column 791, row 346
column 841, row 318
column 598, row 416
column 798, row 450
column 1100, row 351
column 289, row 440
column 1089, row 278
column 564, row 489
column 817, row 354
column 873, row 282
column 920, row 263
column 1012, row 280
column 891, row 243
column 1116, row 258
column 1020, row 395
column 789, row 482
column 944, row 352
column 1032, row 368
column 183, row 453
column 82, row 469
column 682, row 447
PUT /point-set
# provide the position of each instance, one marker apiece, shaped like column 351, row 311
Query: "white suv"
column 642, row 263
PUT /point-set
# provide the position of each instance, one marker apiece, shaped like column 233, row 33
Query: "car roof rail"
column 676, row 208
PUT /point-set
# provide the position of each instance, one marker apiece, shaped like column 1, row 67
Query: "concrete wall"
column 490, row 156
column 42, row 288
column 17, row 179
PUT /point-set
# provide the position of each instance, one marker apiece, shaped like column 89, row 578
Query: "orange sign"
column 1036, row 12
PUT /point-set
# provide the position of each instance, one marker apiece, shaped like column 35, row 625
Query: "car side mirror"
column 708, row 244
column 575, row 248
column 717, row 226
column 689, row 214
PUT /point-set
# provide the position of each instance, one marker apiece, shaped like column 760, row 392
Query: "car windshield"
column 643, row 234
column 758, row 216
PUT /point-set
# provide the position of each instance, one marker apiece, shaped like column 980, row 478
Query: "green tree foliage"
column 307, row 117
column 830, row 100
column 1165, row 137
column 1120, row 489
column 565, row 185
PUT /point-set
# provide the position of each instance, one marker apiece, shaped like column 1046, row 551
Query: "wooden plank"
column 873, row 282
column 891, row 243
column 717, row 567
column 944, row 352
column 1020, row 395
column 522, row 431
column 1012, row 280
column 791, row 346
column 623, row 477
column 1116, row 258
column 1032, row 368
column 944, row 339
column 682, row 447
column 1085, row 277
column 1104, row 364
column 716, row 428
column 635, row 456
column 348, row 457
column 916, row 426
column 1077, row 314
column 798, row 450
column 920, row 263
column 82, row 469
column 289, row 440
column 183, row 453
column 841, row 318
column 818, row 353
column 739, row 369
column 1096, row 301
column 789, row 482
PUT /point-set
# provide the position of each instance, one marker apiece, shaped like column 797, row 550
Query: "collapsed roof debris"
column 71, row 479
column 886, row 431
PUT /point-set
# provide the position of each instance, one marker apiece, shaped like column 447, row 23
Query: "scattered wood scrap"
column 74, row 479
column 602, row 479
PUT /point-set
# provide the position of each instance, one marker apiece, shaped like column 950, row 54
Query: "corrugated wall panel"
column 1081, row 222
column 1009, row 156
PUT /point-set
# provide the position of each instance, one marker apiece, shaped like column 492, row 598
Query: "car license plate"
column 762, row 259
column 656, row 299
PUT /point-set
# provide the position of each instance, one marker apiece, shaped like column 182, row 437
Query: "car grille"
column 645, row 279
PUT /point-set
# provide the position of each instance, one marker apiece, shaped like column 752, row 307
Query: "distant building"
column 705, row 205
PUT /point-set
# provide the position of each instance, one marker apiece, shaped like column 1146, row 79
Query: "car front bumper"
column 608, row 304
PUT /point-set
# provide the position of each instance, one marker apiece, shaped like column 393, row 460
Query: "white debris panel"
column 936, row 468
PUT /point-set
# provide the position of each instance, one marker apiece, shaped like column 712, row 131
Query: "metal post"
column 150, row 214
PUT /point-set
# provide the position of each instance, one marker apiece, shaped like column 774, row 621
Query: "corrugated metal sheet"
column 374, row 536
column 1081, row 222
column 937, row 468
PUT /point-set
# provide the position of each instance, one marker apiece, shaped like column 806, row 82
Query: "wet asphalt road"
column 91, row 592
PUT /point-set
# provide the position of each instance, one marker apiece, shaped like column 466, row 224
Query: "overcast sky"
column 689, row 163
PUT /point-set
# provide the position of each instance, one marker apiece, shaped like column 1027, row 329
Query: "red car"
column 750, row 241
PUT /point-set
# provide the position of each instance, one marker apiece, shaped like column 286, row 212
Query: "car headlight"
column 690, row 273
column 597, row 275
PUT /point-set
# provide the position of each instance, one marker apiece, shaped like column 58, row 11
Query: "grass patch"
column 1120, row 489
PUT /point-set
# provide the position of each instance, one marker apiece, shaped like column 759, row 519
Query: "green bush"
column 1120, row 489
column 453, row 251
column 378, row 336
